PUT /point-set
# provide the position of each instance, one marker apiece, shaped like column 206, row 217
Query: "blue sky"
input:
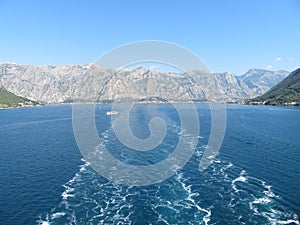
column 228, row 35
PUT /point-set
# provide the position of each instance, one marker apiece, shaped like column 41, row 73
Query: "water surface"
column 254, row 180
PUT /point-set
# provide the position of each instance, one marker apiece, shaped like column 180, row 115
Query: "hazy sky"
column 227, row 35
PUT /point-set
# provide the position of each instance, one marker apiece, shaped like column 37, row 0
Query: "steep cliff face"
column 67, row 83
column 51, row 84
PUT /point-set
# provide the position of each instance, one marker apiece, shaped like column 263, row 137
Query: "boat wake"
column 189, row 197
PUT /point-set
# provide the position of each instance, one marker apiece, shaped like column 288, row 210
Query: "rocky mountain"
column 261, row 81
column 90, row 83
column 8, row 99
column 287, row 92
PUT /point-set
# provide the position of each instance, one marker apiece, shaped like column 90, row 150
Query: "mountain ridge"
column 91, row 82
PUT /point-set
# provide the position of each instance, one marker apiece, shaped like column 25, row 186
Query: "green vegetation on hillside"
column 9, row 100
column 287, row 92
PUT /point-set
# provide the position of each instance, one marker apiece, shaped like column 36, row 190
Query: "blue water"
column 254, row 180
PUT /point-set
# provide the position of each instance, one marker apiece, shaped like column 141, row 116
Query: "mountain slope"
column 287, row 92
column 262, row 80
column 8, row 99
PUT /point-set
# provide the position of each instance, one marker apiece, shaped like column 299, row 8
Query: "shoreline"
column 18, row 107
column 146, row 103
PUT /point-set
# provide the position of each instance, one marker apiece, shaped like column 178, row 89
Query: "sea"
column 255, row 178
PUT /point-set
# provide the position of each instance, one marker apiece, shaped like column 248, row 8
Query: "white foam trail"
column 66, row 194
column 44, row 222
column 114, row 199
column 191, row 194
column 287, row 222
column 57, row 215
column 68, row 190
column 241, row 178
column 268, row 192
column 229, row 165
column 263, row 200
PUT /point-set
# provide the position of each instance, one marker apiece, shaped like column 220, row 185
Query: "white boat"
column 112, row 113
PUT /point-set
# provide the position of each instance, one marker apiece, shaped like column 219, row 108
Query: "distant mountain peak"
column 260, row 71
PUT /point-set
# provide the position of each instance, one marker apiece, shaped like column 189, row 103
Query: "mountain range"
column 90, row 83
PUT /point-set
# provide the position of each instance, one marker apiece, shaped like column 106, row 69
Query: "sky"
column 227, row 35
